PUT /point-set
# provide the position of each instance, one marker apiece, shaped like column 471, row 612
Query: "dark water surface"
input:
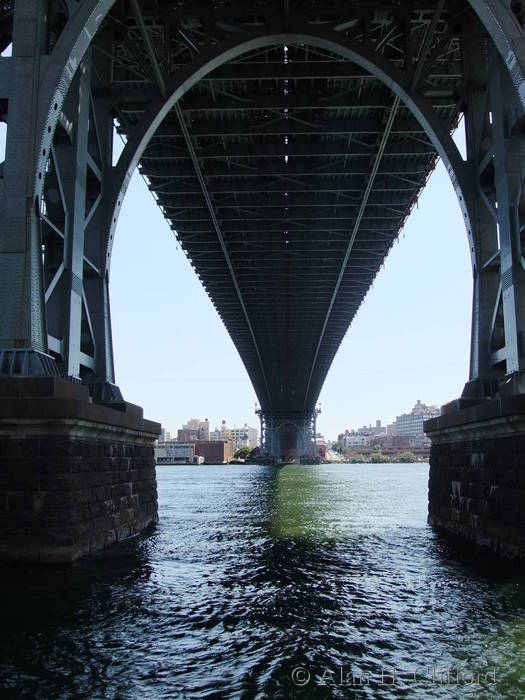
column 257, row 580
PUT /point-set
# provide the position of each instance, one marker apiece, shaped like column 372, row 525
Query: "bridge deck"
column 286, row 176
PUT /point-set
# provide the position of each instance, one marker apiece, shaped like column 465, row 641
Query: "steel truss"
column 289, row 436
column 285, row 147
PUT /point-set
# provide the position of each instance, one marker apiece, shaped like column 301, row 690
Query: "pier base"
column 75, row 476
column 477, row 474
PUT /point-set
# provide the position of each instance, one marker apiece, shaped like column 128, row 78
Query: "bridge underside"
column 286, row 174
column 285, row 144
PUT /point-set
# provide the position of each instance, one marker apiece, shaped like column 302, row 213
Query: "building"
column 215, row 451
column 165, row 435
column 195, row 429
column 393, row 442
column 411, row 424
column 222, row 433
column 174, row 453
column 244, row 437
column 355, row 440
column 215, row 434
column 241, row 437
column 362, row 437
column 184, row 435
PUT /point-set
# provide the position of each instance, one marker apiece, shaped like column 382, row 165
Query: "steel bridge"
column 285, row 142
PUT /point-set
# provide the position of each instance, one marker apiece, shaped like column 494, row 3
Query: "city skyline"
column 172, row 430
column 409, row 340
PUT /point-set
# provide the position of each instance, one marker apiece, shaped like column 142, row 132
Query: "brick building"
column 215, row 451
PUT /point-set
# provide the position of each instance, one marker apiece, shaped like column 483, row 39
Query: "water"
column 307, row 582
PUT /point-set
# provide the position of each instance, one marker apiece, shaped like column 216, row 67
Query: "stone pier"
column 75, row 476
column 477, row 474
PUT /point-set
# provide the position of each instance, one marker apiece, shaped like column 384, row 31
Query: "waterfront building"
column 405, row 433
column 363, row 436
column 174, row 453
column 215, row 451
column 355, row 440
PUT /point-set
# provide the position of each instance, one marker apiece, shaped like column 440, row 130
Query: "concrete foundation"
column 75, row 476
column 477, row 474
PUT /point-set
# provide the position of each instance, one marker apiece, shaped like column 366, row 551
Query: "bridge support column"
column 56, row 220
column 477, row 474
column 306, row 443
column 287, row 437
column 23, row 338
column 477, row 467
column 75, row 476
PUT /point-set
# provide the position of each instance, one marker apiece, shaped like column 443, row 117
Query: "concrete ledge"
column 457, row 413
column 54, row 397
column 74, row 476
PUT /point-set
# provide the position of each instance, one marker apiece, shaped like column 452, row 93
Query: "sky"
column 409, row 340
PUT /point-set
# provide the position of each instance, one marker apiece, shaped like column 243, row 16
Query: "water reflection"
column 253, row 572
column 299, row 503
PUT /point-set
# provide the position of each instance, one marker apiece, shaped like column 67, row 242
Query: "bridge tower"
column 289, row 437
column 77, row 466
column 287, row 201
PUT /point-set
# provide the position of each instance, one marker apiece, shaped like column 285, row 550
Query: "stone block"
column 478, row 460
column 67, row 470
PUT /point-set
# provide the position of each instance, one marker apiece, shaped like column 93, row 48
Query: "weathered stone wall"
column 477, row 475
column 70, row 486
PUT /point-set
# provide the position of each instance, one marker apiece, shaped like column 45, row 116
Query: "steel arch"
column 72, row 45
column 206, row 63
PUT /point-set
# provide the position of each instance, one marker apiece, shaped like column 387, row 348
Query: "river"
column 306, row 581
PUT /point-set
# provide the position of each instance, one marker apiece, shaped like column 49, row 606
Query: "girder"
column 279, row 125
column 285, row 144
column 312, row 70
column 399, row 149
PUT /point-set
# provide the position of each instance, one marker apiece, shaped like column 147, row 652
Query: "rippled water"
column 261, row 583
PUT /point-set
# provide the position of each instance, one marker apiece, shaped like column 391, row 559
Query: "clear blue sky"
column 410, row 339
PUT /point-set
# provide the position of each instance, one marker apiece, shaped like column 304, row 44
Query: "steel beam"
column 22, row 314
column 509, row 155
column 364, row 202
column 74, row 241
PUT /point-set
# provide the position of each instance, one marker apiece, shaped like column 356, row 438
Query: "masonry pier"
column 75, row 475
column 477, row 474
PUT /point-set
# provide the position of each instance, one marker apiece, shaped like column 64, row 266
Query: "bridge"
column 285, row 143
